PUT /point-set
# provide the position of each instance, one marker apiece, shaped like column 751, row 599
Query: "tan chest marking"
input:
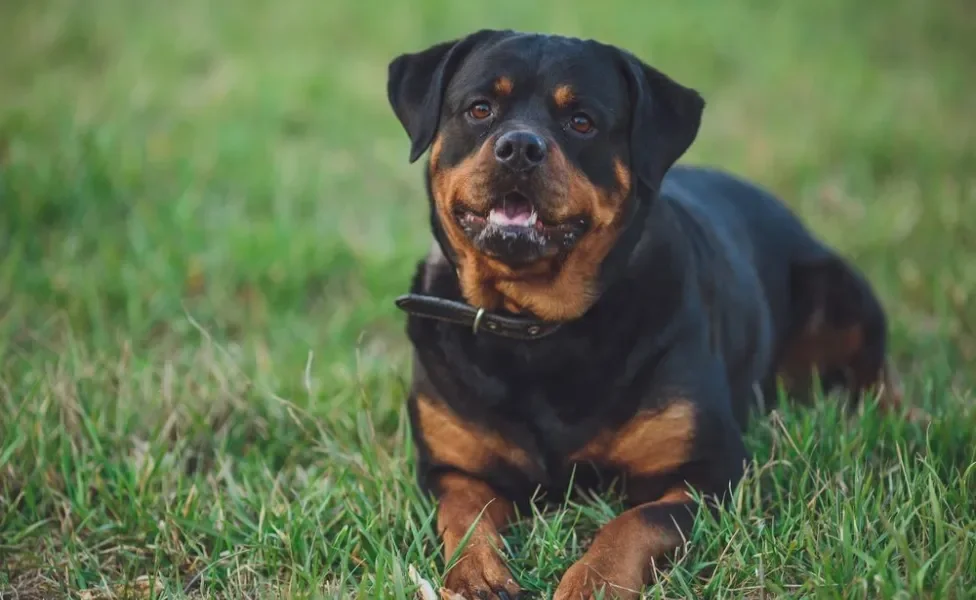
column 649, row 444
column 454, row 442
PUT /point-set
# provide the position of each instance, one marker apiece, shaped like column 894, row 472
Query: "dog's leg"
column 840, row 333
column 689, row 442
column 620, row 559
column 467, row 504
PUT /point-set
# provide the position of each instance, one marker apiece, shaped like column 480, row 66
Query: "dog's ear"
column 416, row 83
column 665, row 117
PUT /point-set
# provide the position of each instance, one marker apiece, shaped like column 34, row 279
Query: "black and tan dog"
column 589, row 312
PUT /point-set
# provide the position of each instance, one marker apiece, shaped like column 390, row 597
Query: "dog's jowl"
column 591, row 312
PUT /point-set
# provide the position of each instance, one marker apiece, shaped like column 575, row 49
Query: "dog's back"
column 820, row 308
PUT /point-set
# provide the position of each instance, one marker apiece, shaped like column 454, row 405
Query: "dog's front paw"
column 585, row 581
column 480, row 574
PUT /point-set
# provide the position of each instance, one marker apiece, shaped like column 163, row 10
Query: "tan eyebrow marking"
column 563, row 95
column 503, row 86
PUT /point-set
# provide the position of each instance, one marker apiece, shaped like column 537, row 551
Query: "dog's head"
column 538, row 147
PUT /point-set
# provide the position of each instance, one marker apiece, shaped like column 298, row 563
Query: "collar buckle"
column 478, row 319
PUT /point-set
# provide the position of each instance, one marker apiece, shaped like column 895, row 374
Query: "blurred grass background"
column 206, row 211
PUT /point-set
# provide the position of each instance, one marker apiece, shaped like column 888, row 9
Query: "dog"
column 591, row 311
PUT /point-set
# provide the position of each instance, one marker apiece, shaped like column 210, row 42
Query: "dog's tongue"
column 514, row 211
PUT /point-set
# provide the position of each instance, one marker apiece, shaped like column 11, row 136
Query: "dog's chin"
column 513, row 232
column 514, row 245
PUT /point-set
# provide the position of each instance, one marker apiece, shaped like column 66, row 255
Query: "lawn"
column 206, row 211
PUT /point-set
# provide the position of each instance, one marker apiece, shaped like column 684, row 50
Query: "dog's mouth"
column 513, row 210
column 514, row 229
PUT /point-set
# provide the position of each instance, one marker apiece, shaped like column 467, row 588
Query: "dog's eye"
column 581, row 123
column 480, row 111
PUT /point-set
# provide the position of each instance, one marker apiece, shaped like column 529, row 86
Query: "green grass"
column 206, row 211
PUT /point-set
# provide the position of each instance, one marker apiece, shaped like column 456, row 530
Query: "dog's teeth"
column 497, row 217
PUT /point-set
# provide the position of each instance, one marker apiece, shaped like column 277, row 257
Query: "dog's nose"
column 520, row 150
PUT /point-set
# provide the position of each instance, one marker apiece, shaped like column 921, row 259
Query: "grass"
column 206, row 211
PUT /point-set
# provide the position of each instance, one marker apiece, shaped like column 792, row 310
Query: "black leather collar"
column 478, row 319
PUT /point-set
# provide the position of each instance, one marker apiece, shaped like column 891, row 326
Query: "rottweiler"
column 592, row 312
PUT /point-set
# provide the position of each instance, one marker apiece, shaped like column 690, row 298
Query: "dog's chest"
column 600, row 448
column 565, row 427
